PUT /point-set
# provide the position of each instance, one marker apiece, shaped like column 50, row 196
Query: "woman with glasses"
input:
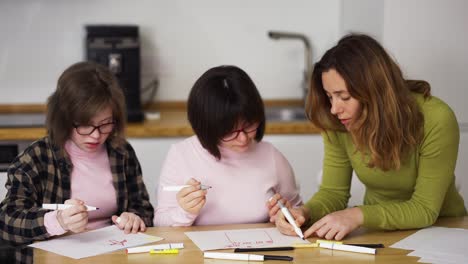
column 83, row 161
column 226, row 172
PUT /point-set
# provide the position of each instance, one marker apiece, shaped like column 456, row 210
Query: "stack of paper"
column 437, row 245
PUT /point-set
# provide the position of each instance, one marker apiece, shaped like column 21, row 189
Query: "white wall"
column 427, row 38
column 180, row 40
column 363, row 16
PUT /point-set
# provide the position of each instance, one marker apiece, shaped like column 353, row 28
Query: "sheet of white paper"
column 242, row 238
column 437, row 245
column 94, row 242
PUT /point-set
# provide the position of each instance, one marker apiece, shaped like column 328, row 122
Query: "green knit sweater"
column 412, row 197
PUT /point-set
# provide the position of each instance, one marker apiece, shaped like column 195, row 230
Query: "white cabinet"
column 305, row 154
column 151, row 153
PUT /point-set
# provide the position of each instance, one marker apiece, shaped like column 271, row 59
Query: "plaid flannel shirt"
column 41, row 174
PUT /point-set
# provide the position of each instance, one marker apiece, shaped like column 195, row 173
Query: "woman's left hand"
column 129, row 222
column 337, row 225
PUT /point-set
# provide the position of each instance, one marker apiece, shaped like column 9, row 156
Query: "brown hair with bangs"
column 83, row 90
column 390, row 124
column 219, row 99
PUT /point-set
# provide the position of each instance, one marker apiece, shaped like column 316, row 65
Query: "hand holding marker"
column 177, row 188
column 289, row 217
column 66, row 206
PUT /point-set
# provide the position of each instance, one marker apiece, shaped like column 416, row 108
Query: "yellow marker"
column 311, row 245
column 329, row 241
column 165, row 251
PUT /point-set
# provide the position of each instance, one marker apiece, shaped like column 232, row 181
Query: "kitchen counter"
column 172, row 122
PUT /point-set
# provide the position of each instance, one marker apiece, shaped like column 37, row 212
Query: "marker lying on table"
column 66, row 206
column 177, row 188
column 300, row 245
column 248, row 257
column 314, row 245
column 356, row 249
column 237, row 250
column 146, row 249
column 164, row 251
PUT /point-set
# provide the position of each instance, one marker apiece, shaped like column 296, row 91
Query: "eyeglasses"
column 85, row 130
column 234, row 134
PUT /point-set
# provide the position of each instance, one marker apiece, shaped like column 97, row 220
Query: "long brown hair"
column 390, row 123
column 84, row 89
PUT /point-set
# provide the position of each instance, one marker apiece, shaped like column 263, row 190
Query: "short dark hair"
column 219, row 99
column 84, row 89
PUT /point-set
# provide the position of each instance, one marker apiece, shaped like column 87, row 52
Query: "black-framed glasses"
column 85, row 130
column 234, row 134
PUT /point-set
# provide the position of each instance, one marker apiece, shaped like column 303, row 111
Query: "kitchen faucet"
column 307, row 55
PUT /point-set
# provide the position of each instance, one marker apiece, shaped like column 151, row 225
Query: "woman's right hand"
column 74, row 218
column 273, row 207
column 192, row 198
column 300, row 214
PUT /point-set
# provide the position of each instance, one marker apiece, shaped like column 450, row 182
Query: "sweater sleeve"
column 52, row 224
column 436, row 162
column 334, row 191
column 21, row 217
column 287, row 186
column 168, row 212
column 138, row 198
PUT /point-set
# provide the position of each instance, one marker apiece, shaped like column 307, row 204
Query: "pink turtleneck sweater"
column 91, row 181
column 241, row 183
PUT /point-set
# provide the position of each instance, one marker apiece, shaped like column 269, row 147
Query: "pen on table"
column 66, row 206
column 164, row 251
column 177, row 188
column 304, row 245
column 367, row 245
column 237, row 250
column 343, row 247
column 146, row 249
column 314, row 245
column 290, row 219
column 248, row 257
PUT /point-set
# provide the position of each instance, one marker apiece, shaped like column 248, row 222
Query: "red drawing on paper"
column 114, row 242
column 254, row 239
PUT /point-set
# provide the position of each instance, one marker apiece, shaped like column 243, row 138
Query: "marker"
column 146, row 249
column 290, row 219
column 314, row 245
column 328, row 241
column 248, row 257
column 356, row 249
column 66, row 206
column 237, row 250
column 177, row 188
column 367, row 245
column 164, row 251
column 311, row 245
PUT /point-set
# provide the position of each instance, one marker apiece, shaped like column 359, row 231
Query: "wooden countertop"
column 172, row 123
column 192, row 254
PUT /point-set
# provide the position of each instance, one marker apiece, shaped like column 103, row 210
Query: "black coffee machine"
column 118, row 47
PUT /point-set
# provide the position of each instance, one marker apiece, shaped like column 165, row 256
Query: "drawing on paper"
column 242, row 238
column 116, row 242
column 257, row 238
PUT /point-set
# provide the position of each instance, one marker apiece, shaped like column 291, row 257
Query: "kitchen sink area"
column 285, row 114
column 22, row 119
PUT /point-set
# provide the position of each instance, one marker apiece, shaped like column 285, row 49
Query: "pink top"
column 240, row 181
column 91, row 181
